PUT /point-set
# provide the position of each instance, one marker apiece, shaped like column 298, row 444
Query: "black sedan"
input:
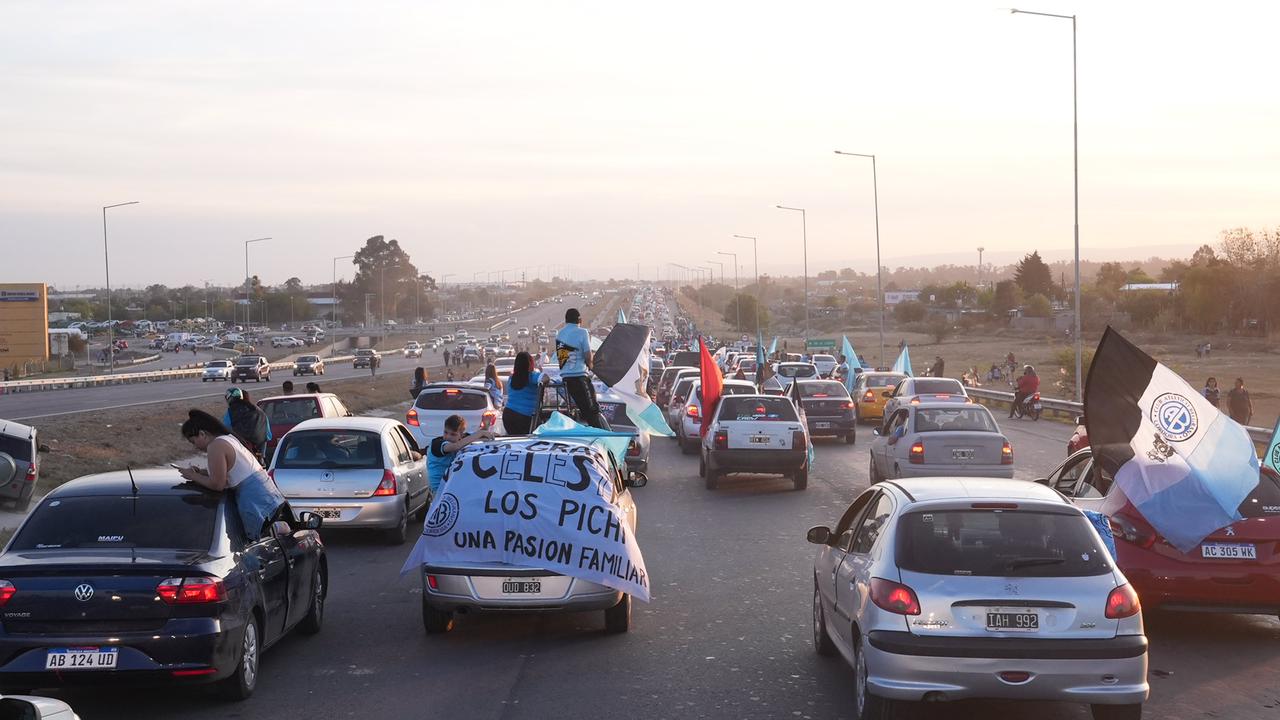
column 150, row 579
column 828, row 409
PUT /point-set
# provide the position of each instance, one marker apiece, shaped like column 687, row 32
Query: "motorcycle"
column 1030, row 406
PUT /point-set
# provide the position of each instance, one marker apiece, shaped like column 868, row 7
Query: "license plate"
column 1225, row 551
column 521, row 587
column 822, row 425
column 81, row 659
column 760, row 439
column 1012, row 621
column 329, row 513
column 962, row 454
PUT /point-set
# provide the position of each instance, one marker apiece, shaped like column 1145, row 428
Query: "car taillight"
column 411, row 418
column 1132, row 530
column 692, row 411
column 388, row 484
column 488, row 419
column 633, row 448
column 847, row 405
column 798, row 440
column 1123, row 602
column 7, row 591
column 917, row 453
column 1006, row 454
column 894, row 597
column 869, row 396
column 915, row 401
column 191, row 590
column 31, row 473
column 722, row 439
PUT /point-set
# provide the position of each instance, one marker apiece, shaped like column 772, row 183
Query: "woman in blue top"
column 522, row 396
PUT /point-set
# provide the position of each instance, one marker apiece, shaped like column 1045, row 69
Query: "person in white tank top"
column 233, row 468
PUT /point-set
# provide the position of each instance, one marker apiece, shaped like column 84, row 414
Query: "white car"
column 933, row 439
column 413, row 349
column 914, row 390
column 826, row 365
column 691, row 419
column 216, row 370
column 785, row 373
column 506, row 351
column 756, row 434
column 288, row 342
column 505, row 366
column 438, row 401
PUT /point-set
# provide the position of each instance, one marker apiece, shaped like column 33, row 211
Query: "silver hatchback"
column 950, row 588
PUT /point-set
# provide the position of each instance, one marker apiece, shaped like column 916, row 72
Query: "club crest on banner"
column 443, row 517
column 1175, row 416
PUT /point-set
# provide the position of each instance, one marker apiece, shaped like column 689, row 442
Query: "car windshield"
column 19, row 448
column 747, row 365
column 823, row 359
column 179, row 522
column 939, row 385
column 1264, row 499
column 248, row 360
column 757, row 408
column 1000, row 543
column 822, row 390
column 454, row 399
column 967, row 418
column 793, row 371
column 309, row 359
column 218, row 364
column 330, row 450
column 616, row 414
column 290, row 411
column 879, row 381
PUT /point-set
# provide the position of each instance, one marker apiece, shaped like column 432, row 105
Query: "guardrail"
column 1069, row 410
column 81, row 381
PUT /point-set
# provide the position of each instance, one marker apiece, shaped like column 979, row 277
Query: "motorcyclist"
column 1028, row 385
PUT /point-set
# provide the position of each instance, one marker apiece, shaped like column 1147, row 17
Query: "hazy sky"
column 494, row 135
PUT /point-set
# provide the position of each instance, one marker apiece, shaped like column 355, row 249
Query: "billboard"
column 24, row 323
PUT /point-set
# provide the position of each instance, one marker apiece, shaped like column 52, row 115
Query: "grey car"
column 19, row 463
column 354, row 472
column 952, row 588
column 940, row 438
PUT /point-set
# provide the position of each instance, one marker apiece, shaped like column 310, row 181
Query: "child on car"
column 442, row 450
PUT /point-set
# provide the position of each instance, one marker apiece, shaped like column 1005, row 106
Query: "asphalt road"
column 726, row 636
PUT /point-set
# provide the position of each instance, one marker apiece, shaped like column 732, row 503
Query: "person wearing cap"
column 247, row 422
column 573, row 353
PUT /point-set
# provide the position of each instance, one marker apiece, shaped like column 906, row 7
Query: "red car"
column 1234, row 570
column 286, row 411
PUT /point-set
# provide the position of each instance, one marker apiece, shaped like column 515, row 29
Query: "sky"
column 616, row 138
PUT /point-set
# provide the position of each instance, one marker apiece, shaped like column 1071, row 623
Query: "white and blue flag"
column 1183, row 464
column 850, row 357
column 1272, row 458
column 903, row 363
column 622, row 363
column 622, row 316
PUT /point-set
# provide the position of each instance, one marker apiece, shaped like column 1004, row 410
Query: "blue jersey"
column 573, row 342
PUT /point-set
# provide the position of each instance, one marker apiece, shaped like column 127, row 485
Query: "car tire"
column 866, row 705
column 436, row 622
column 244, row 680
column 873, row 475
column 822, row 643
column 400, row 533
column 204, row 379
column 851, row 438
column 702, row 466
column 1116, row 712
column 312, row 623
column 800, row 478
column 712, row 478
column 617, row 619
column 687, row 447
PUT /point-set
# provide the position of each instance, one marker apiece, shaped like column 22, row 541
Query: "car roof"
column 357, row 422
column 150, row 481
column 16, row 429
column 461, row 385
column 930, row 489
column 884, row 373
column 295, row 396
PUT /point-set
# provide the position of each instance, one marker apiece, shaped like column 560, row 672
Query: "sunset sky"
column 488, row 136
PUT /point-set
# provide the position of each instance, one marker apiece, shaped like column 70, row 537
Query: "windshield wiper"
column 1032, row 562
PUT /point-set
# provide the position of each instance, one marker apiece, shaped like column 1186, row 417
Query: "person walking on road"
column 373, row 364
column 522, row 396
column 247, row 421
column 446, row 357
column 1211, row 391
column 1028, row 385
column 233, row 467
column 1239, row 404
column 573, row 353
column 938, row 368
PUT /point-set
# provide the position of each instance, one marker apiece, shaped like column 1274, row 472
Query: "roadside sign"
column 820, row 344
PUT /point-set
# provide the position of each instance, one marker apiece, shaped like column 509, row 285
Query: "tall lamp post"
column 756, row 257
column 444, row 279
column 248, row 301
column 382, row 296
column 980, row 267
column 804, row 227
column 106, row 252
column 1075, row 162
column 713, row 274
column 875, row 194
column 334, row 308
column 737, row 306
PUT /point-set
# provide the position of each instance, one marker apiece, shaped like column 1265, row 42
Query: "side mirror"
column 636, row 479
column 819, row 535
column 1043, row 481
column 309, row 520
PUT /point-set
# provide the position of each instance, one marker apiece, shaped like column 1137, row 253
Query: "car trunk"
column 330, row 482
column 825, row 407
column 1245, row 544
column 962, row 448
column 760, row 435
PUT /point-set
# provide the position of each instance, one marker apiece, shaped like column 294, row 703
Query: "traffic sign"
column 820, row 344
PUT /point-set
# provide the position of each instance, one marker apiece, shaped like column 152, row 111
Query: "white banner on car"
column 541, row 504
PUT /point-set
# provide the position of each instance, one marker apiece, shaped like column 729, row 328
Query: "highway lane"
column 726, row 636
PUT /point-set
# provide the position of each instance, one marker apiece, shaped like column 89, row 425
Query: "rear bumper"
column 372, row 512
column 936, row 470
column 870, row 411
column 1166, row 583
column 19, row 488
column 456, row 591
column 838, row 425
column 765, row 461
column 904, row 666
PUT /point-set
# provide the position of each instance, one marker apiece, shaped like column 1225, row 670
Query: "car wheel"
column 204, row 379
column 242, row 682
column 713, row 478
column 800, row 478
column 702, row 466
column 821, row 638
column 315, row 614
column 617, row 619
column 851, row 438
column 866, row 706
column 398, row 534
column 1116, row 712
column 687, row 447
column 436, row 621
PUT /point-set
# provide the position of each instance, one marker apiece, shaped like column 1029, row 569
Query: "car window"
column 339, row 409
column 1000, row 543
column 408, row 439
column 452, row 399
column 821, row 390
column 871, row 525
column 180, row 521
column 1094, row 483
column 823, row 359
column 17, row 448
column 400, row 449
column 882, row 381
column 970, row 418
column 795, row 371
column 289, row 411
column 757, row 408
column 682, row 388
column 737, row 390
column 1263, row 500
column 895, row 421
column 848, row 524
column 616, row 414
column 1065, row 482
column 330, row 450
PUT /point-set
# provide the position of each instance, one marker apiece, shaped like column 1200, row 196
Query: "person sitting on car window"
column 442, row 449
column 313, row 387
column 287, row 387
column 232, row 467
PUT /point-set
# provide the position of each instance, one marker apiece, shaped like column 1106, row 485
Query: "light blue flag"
column 773, row 346
column 903, row 363
column 1272, row 458
column 846, row 348
column 622, row 316
column 560, row 425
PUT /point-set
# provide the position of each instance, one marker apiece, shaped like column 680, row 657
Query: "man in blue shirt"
column 573, row 353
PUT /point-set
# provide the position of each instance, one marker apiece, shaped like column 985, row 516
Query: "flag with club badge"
column 1272, row 458
column 1183, row 464
column 622, row 363
column 762, row 363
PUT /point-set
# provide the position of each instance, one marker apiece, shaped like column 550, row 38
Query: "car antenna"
column 132, row 482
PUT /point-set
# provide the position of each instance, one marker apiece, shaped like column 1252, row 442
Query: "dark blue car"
column 828, row 409
column 151, row 579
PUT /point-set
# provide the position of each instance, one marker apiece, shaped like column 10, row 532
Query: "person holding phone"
column 232, row 467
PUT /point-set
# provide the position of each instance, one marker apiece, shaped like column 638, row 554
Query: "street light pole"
column 444, row 279
column 111, row 328
column 334, row 308
column 875, row 194
column 980, row 268
column 1075, row 163
column 804, row 226
column 737, row 305
column 248, row 301
column 756, row 257
column 713, row 274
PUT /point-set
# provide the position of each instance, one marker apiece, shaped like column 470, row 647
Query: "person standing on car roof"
column 573, row 353
column 522, row 396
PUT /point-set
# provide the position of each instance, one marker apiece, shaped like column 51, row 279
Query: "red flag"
column 712, row 382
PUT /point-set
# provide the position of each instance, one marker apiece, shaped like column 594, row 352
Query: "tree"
column 1033, row 275
column 1038, row 306
column 1110, row 278
column 749, row 307
column 377, row 261
column 1008, row 297
column 848, row 274
column 909, row 311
